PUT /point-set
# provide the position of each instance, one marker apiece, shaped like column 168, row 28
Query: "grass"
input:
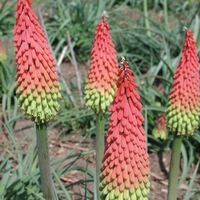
column 153, row 57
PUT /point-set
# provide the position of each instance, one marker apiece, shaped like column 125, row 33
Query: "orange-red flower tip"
column 102, row 74
column 125, row 167
column 38, row 90
column 184, row 101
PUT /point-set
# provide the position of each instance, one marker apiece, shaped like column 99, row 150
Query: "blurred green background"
column 148, row 33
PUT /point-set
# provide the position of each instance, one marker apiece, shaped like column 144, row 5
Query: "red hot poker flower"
column 102, row 75
column 184, row 101
column 160, row 129
column 125, row 168
column 37, row 85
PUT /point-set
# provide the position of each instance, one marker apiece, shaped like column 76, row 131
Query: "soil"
column 62, row 145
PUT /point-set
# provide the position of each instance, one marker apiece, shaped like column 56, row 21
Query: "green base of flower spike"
column 98, row 101
column 182, row 122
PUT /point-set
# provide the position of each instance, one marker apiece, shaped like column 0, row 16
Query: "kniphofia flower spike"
column 125, row 168
column 160, row 129
column 37, row 87
column 184, row 100
column 102, row 75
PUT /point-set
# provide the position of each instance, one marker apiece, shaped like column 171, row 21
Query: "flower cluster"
column 125, row 168
column 160, row 129
column 184, row 101
column 37, row 87
column 102, row 75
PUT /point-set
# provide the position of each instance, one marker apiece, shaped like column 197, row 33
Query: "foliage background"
column 152, row 45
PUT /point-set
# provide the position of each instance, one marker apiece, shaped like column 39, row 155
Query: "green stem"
column 100, row 140
column 174, row 168
column 44, row 162
column 146, row 18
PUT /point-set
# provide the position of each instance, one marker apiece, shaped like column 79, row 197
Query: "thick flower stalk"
column 184, row 105
column 184, row 101
column 101, row 84
column 125, row 168
column 102, row 75
column 160, row 129
column 37, row 85
column 38, row 89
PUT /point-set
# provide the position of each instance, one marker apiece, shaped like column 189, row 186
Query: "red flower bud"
column 37, row 84
column 125, row 168
column 102, row 75
column 184, row 100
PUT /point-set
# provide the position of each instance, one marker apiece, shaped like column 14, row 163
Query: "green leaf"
column 188, row 194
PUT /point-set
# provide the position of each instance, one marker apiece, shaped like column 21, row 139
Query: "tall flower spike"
column 37, row 87
column 125, row 168
column 184, row 100
column 102, row 75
